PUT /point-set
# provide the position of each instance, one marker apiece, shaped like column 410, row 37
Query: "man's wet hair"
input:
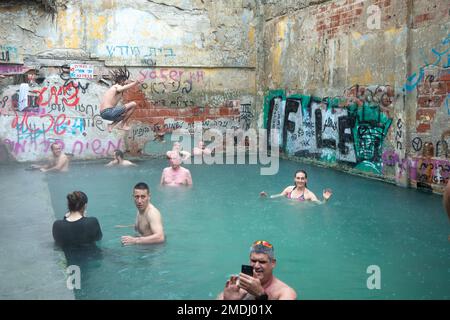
column 260, row 248
column 142, row 186
column 118, row 153
column 120, row 75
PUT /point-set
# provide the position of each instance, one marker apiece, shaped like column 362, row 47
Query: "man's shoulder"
column 281, row 288
column 153, row 210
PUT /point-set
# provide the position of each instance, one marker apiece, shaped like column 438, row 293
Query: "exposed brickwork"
column 154, row 115
column 431, row 11
column 332, row 18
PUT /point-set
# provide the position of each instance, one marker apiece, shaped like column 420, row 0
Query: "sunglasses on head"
column 263, row 243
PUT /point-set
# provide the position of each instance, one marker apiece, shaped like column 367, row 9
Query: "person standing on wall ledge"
column 59, row 161
column 109, row 106
column 299, row 191
column 262, row 284
column 148, row 219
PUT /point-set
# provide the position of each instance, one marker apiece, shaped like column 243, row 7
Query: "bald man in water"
column 176, row 175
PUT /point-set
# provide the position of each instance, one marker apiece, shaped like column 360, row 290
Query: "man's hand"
column 250, row 284
column 127, row 240
column 232, row 290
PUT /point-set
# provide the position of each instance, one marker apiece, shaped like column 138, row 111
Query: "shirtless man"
column 263, row 285
column 119, row 161
column 109, row 110
column 59, row 161
column 148, row 219
column 177, row 152
column 176, row 175
column 201, row 149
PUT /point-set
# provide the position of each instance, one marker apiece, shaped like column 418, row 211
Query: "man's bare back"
column 109, row 105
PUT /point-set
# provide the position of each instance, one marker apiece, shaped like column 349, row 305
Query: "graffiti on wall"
column 350, row 129
column 9, row 54
column 441, row 56
column 147, row 55
column 67, row 110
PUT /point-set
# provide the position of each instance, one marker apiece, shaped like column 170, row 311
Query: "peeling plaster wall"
column 197, row 59
column 362, row 86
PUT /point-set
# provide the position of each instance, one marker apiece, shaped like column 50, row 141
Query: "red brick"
column 425, row 115
column 348, row 21
column 444, row 77
column 423, row 17
column 423, row 101
column 439, row 87
column 224, row 111
column 423, row 127
column 358, row 11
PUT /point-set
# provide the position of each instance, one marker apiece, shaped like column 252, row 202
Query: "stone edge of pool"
column 30, row 270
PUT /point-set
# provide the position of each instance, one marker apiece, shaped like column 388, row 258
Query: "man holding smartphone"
column 262, row 284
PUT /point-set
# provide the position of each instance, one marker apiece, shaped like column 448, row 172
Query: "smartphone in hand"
column 247, row 270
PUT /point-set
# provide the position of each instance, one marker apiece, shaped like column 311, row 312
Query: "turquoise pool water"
column 323, row 251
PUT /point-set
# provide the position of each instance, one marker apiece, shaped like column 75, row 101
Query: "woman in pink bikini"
column 300, row 192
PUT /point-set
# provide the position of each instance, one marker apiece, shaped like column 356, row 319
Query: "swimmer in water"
column 299, row 191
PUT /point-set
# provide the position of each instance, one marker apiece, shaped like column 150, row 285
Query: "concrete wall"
column 197, row 58
column 360, row 85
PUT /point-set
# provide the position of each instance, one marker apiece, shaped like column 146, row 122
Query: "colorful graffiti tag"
column 350, row 129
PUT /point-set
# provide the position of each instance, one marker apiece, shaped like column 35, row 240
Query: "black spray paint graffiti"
column 3, row 101
column 163, row 87
column 398, row 134
column 4, row 56
column 441, row 146
column 148, row 61
column 245, row 116
column 317, row 129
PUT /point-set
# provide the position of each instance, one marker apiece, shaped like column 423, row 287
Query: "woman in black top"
column 75, row 228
